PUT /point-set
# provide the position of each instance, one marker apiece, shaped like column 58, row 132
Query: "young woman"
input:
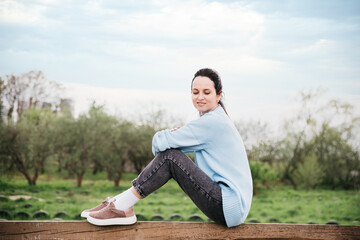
column 219, row 182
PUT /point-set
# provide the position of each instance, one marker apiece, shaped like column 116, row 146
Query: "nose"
column 201, row 96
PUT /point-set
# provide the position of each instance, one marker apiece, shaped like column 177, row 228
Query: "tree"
column 7, row 165
column 111, row 146
column 337, row 157
column 147, row 124
column 28, row 142
column 14, row 88
column 76, row 144
column 117, row 148
column 158, row 119
column 328, row 129
column 93, row 139
column 253, row 133
column 4, row 159
column 29, row 90
column 2, row 109
column 139, row 151
column 299, row 130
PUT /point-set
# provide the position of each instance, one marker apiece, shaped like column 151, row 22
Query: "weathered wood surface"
column 171, row 230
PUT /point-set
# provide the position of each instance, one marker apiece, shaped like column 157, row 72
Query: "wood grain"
column 171, row 230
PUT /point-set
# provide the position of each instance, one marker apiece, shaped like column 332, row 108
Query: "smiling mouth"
column 200, row 104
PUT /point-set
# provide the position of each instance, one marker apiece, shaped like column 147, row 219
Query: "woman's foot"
column 86, row 212
column 112, row 216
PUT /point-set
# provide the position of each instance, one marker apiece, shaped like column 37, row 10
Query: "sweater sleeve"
column 185, row 138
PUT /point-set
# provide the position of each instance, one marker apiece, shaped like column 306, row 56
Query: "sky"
column 131, row 55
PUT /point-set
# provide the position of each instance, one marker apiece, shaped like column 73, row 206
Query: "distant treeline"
column 317, row 147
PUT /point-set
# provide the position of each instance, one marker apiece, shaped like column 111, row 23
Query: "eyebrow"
column 203, row 89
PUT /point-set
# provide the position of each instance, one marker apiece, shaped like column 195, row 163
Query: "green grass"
column 63, row 195
column 54, row 194
column 298, row 206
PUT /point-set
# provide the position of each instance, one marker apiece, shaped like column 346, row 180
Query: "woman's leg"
column 172, row 163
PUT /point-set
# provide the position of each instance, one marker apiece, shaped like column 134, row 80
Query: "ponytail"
column 221, row 103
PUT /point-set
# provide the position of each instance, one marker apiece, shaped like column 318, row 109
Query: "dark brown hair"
column 215, row 78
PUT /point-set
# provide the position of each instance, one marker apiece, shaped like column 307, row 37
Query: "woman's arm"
column 189, row 138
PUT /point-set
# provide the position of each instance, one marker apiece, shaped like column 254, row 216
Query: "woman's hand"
column 174, row 129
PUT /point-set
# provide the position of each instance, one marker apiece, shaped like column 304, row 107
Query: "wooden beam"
column 171, row 230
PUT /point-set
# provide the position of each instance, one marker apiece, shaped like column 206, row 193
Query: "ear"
column 218, row 96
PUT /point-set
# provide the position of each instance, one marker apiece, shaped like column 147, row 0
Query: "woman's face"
column 204, row 95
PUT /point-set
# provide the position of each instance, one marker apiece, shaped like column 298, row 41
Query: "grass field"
column 279, row 204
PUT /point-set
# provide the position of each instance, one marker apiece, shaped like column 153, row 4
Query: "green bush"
column 310, row 173
column 262, row 174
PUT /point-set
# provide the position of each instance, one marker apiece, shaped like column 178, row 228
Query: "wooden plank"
column 171, row 230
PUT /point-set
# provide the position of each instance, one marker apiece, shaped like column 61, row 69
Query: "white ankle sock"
column 125, row 200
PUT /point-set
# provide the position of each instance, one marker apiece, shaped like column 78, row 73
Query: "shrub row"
column 42, row 215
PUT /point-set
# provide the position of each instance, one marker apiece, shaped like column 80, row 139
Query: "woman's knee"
column 173, row 155
column 172, row 151
column 178, row 158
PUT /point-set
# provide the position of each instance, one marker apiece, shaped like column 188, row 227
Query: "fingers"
column 174, row 129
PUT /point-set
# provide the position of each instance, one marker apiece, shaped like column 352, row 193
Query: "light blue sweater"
column 220, row 153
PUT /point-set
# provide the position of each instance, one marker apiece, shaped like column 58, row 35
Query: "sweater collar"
column 217, row 109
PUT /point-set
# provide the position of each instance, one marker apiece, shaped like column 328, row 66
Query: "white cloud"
column 265, row 57
column 17, row 12
column 321, row 47
column 94, row 8
column 237, row 60
column 191, row 19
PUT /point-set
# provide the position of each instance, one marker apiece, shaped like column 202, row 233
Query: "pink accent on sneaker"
column 86, row 212
column 112, row 216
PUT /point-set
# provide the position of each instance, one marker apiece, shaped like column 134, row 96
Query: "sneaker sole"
column 112, row 221
column 85, row 214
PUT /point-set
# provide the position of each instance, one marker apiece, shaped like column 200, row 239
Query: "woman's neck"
column 203, row 113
